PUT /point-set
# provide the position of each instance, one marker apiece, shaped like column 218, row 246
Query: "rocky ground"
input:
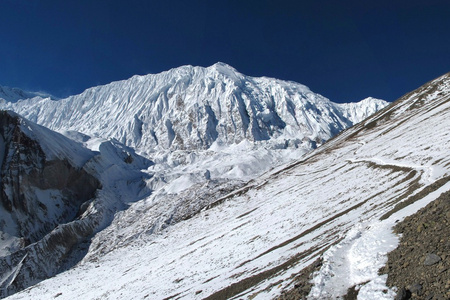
column 420, row 266
column 303, row 283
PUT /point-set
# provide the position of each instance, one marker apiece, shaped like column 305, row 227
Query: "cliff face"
column 39, row 191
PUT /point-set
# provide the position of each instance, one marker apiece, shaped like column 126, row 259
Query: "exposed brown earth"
column 303, row 284
column 420, row 266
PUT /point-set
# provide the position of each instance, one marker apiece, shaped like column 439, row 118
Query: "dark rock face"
column 42, row 198
column 25, row 173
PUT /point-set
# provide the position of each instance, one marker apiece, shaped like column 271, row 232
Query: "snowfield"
column 246, row 240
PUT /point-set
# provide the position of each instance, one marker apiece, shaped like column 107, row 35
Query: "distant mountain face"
column 32, row 159
column 356, row 112
column 14, row 94
column 192, row 108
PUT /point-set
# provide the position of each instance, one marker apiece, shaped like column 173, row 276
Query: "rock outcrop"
column 41, row 198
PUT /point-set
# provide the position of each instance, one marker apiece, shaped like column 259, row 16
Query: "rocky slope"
column 417, row 269
column 420, row 265
column 43, row 185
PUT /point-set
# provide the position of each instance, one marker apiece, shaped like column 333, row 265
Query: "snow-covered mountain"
column 361, row 110
column 192, row 120
column 153, row 151
column 218, row 240
column 190, row 108
column 13, row 95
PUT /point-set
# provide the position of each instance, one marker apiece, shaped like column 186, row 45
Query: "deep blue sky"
column 344, row 50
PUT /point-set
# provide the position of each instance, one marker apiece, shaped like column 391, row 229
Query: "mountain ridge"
column 219, row 103
column 13, row 95
column 191, row 121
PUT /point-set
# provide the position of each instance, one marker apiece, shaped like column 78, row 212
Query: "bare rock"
column 431, row 259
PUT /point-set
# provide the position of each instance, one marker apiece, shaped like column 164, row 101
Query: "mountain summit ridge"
column 195, row 117
column 189, row 108
column 9, row 94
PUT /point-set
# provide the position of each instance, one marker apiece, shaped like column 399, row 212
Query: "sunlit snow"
column 174, row 244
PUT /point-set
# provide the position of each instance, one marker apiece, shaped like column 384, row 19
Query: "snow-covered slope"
column 360, row 110
column 249, row 240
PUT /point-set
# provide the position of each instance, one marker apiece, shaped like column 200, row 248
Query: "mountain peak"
column 222, row 66
column 226, row 71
